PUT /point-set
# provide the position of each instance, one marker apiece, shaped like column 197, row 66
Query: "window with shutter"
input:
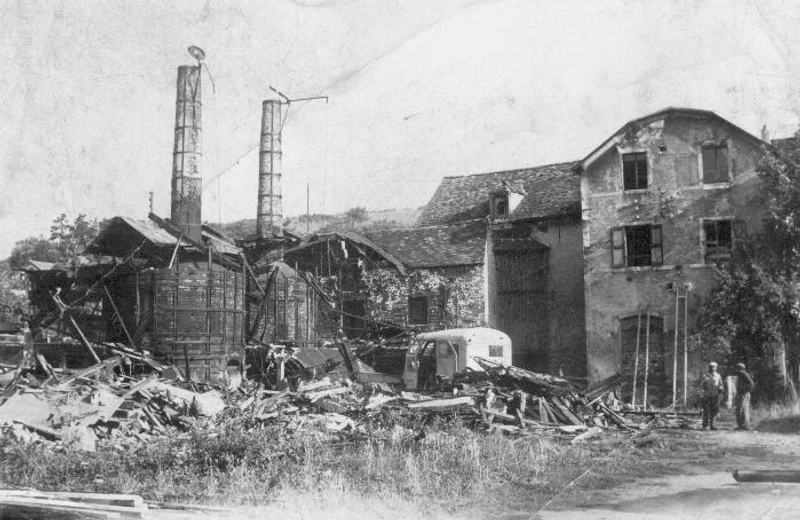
column 636, row 246
column 715, row 164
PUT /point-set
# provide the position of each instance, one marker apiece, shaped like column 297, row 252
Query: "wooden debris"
column 441, row 403
column 767, row 475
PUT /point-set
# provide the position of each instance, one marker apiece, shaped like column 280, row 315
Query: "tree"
column 67, row 241
column 752, row 314
column 356, row 215
column 72, row 238
column 33, row 248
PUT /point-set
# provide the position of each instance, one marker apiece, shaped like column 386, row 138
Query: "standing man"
column 744, row 385
column 711, row 391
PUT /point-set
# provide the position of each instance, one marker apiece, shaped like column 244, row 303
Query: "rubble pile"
column 127, row 398
column 103, row 401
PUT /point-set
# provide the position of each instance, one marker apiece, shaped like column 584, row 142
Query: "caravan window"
column 445, row 349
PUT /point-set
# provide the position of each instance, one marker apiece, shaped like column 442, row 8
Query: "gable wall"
column 675, row 199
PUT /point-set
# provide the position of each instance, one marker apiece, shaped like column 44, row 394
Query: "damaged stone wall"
column 455, row 296
column 677, row 200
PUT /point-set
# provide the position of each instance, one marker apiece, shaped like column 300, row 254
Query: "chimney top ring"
column 197, row 53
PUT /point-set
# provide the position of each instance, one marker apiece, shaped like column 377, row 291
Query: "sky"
column 417, row 90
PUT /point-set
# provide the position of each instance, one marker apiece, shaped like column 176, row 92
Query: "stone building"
column 666, row 199
column 500, row 249
column 533, row 270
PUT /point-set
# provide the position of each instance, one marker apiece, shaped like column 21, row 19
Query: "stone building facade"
column 666, row 200
column 533, row 271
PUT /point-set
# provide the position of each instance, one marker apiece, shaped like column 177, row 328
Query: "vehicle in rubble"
column 435, row 356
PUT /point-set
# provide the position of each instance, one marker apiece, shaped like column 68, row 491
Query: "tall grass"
column 781, row 416
column 450, row 467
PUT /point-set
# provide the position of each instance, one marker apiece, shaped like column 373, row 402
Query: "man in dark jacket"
column 744, row 385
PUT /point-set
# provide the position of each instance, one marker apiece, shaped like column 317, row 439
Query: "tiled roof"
column 550, row 190
column 434, row 246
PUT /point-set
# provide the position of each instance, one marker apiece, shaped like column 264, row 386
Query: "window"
column 418, row 310
column 496, row 351
column 499, row 204
column 634, row 171
column 718, row 240
column 636, row 246
column 715, row 164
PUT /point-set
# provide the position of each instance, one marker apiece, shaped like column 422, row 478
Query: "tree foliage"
column 67, row 241
column 752, row 314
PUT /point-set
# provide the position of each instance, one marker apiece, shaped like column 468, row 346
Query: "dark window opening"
column 636, row 246
column 500, row 205
column 715, row 164
column 634, row 171
column 354, row 319
column 719, row 240
column 350, row 274
column 418, row 310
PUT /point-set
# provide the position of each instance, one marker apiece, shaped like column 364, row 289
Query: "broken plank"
column 441, row 403
column 767, row 475
column 120, row 500
column 108, row 363
column 316, row 396
column 501, row 415
column 196, row 507
column 41, row 430
column 69, row 505
column 565, row 411
column 588, row 434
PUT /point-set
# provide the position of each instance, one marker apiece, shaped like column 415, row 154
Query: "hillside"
column 356, row 218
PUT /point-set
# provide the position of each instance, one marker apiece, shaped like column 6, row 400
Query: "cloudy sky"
column 418, row 90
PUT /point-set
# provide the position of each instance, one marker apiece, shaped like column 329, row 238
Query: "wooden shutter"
column 618, row 247
column 656, row 249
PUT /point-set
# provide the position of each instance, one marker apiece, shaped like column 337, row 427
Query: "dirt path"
column 703, row 487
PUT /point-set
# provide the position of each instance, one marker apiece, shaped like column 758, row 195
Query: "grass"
column 451, row 469
column 777, row 417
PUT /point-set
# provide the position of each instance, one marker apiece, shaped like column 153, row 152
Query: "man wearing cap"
column 710, row 393
column 744, row 385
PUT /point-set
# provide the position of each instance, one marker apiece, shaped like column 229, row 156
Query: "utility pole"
column 308, row 212
column 151, row 201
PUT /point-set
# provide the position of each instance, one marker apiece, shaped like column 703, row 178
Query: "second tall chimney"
column 269, row 216
column 187, row 177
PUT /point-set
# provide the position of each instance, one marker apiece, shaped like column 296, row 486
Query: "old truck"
column 436, row 356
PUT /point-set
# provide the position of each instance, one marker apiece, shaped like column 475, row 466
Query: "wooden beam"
column 119, row 316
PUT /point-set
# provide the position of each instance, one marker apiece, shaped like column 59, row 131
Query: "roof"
column 359, row 242
column 80, row 261
column 434, row 246
column 550, row 190
column 122, row 234
column 655, row 116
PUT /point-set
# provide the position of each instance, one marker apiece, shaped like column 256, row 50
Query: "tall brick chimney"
column 187, row 155
column 269, row 215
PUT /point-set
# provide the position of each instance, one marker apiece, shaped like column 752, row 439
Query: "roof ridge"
column 428, row 226
column 567, row 164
